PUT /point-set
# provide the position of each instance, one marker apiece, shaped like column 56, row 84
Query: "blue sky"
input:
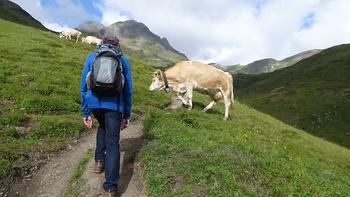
column 88, row 6
column 222, row 31
column 308, row 21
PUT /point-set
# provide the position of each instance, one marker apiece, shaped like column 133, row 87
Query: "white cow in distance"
column 69, row 33
column 186, row 76
column 91, row 40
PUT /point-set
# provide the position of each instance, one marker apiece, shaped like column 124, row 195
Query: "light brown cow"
column 186, row 76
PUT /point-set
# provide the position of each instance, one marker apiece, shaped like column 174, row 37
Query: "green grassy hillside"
column 12, row 12
column 39, row 94
column 39, row 101
column 314, row 94
column 188, row 153
column 197, row 154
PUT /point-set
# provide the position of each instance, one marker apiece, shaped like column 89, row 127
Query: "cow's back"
column 201, row 75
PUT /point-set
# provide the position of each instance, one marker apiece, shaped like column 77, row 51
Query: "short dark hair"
column 110, row 40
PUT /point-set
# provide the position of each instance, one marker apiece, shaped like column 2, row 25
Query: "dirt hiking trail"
column 51, row 179
column 129, row 184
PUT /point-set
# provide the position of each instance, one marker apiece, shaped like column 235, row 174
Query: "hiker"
column 106, row 94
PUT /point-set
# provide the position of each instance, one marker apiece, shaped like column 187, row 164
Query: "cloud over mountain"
column 223, row 31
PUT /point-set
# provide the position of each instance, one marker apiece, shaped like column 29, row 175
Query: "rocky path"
column 51, row 180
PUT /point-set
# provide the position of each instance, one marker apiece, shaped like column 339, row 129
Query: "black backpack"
column 106, row 73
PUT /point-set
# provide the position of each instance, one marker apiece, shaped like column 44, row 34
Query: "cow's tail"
column 232, row 97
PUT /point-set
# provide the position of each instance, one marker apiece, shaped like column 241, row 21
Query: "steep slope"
column 270, row 65
column 12, row 12
column 192, row 153
column 141, row 42
column 314, row 94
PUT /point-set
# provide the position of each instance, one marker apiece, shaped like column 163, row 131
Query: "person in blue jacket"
column 112, row 114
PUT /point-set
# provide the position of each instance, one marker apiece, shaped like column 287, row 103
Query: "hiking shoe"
column 99, row 167
column 111, row 194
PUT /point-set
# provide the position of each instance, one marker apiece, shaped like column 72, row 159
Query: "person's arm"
column 84, row 107
column 127, row 91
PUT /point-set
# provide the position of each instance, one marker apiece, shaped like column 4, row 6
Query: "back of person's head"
column 110, row 39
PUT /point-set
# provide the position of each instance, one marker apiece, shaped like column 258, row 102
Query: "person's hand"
column 88, row 122
column 125, row 124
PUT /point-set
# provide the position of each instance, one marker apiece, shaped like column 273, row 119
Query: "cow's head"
column 157, row 81
column 61, row 35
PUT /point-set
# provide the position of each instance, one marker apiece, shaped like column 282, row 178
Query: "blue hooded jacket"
column 90, row 100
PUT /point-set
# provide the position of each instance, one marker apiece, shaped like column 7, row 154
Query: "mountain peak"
column 138, row 37
column 91, row 27
column 137, row 30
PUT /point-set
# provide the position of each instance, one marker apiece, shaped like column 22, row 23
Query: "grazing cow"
column 91, row 40
column 69, row 33
column 186, row 76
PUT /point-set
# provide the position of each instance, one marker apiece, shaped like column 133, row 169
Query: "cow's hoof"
column 225, row 118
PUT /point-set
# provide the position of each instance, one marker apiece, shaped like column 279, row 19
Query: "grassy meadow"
column 187, row 153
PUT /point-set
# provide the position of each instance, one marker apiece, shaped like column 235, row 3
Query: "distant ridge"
column 269, row 64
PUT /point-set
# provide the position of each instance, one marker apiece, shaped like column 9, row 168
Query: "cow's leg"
column 215, row 98
column 210, row 105
column 189, row 97
column 227, row 102
column 182, row 99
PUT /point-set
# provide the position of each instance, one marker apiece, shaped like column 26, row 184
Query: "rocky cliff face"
column 136, row 30
column 138, row 37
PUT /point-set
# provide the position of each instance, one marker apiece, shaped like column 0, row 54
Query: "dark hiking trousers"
column 107, row 145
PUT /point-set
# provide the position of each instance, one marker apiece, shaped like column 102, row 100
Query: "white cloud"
column 63, row 13
column 55, row 26
column 238, row 31
column 222, row 31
